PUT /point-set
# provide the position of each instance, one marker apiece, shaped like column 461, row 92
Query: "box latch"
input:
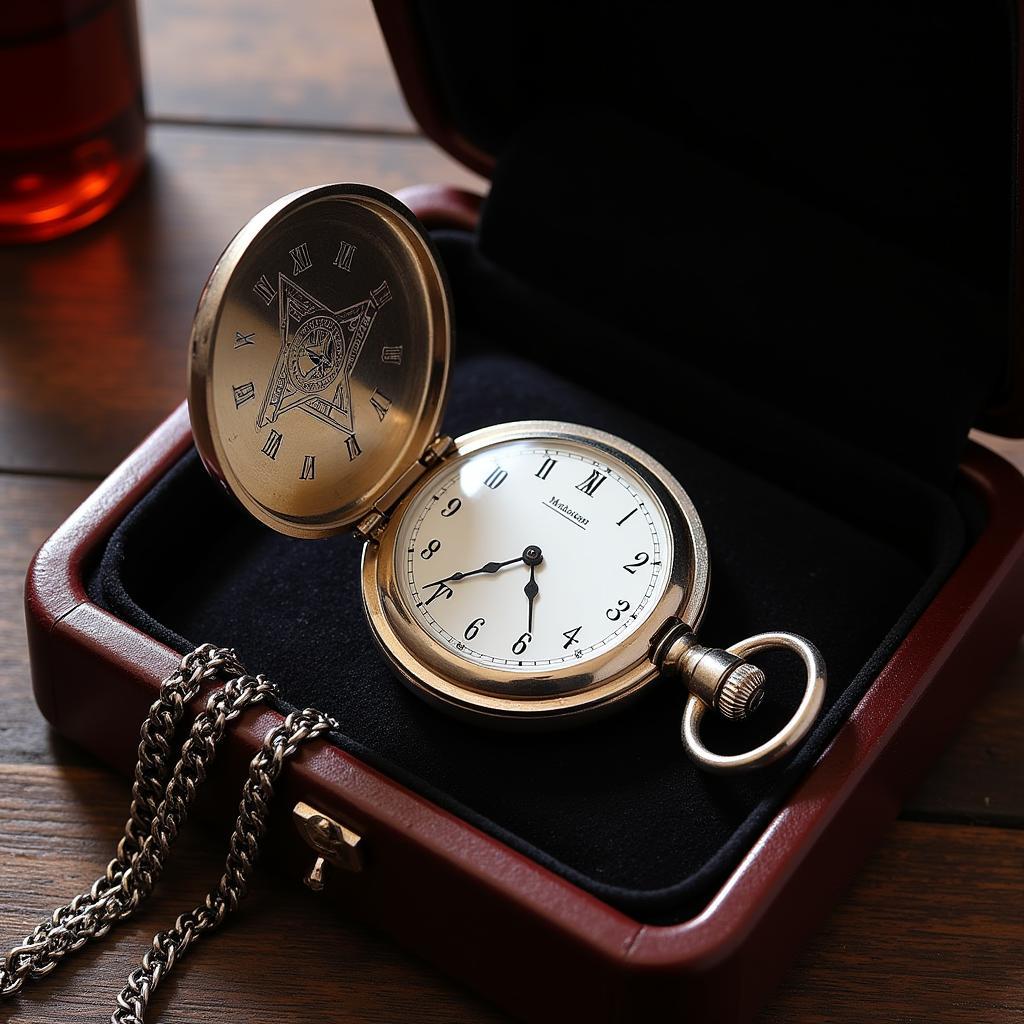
column 332, row 842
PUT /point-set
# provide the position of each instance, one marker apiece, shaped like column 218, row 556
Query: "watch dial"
column 533, row 556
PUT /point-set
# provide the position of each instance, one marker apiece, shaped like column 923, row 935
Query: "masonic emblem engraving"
column 319, row 351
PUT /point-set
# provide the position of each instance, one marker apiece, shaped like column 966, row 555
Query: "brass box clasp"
column 333, row 843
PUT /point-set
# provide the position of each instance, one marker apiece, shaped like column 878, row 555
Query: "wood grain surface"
column 930, row 931
column 250, row 100
column 307, row 64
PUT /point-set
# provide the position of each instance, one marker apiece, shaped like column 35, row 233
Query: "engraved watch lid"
column 319, row 357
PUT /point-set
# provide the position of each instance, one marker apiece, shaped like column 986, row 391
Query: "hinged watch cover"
column 329, row 308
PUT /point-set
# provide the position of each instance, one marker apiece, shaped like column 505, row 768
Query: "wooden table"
column 251, row 99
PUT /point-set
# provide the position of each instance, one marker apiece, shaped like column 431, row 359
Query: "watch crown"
column 733, row 687
column 741, row 692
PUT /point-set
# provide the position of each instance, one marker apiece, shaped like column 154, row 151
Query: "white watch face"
column 533, row 556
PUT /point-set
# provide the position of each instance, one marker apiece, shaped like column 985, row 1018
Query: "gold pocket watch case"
column 524, row 574
column 626, row 559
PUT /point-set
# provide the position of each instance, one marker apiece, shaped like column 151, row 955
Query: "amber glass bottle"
column 72, row 125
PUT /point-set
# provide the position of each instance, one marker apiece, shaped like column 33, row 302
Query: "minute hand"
column 489, row 567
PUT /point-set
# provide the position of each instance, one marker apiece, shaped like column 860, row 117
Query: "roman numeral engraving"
column 391, row 354
column 300, row 258
column 244, row 339
column 308, row 467
column 344, row 258
column 272, row 445
column 381, row 294
column 265, row 290
column 592, row 483
column 626, row 516
column 496, row 478
column 243, row 392
column 381, row 403
column 545, row 469
column 354, row 451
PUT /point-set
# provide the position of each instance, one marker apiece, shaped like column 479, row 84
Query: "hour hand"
column 488, row 567
column 531, row 556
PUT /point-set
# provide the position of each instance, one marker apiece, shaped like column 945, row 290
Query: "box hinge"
column 371, row 525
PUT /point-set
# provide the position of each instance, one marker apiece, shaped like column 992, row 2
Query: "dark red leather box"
column 773, row 249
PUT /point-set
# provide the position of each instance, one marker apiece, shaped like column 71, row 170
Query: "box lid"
column 901, row 119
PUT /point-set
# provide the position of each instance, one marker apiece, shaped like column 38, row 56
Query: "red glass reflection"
column 72, row 125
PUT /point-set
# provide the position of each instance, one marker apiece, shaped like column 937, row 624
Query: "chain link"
column 161, row 800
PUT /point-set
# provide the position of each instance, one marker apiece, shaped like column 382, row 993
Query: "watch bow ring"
column 744, row 696
column 527, row 574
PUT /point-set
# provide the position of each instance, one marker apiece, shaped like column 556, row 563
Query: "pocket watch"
column 526, row 574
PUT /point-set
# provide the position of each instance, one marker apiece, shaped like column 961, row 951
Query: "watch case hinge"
column 372, row 524
column 441, row 446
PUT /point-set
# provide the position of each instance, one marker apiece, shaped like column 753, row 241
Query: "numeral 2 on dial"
column 641, row 559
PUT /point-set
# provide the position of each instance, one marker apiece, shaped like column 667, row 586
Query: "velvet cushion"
column 806, row 533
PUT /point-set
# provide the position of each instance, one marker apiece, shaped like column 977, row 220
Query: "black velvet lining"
column 876, row 343
column 819, row 195
column 895, row 114
column 806, row 533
